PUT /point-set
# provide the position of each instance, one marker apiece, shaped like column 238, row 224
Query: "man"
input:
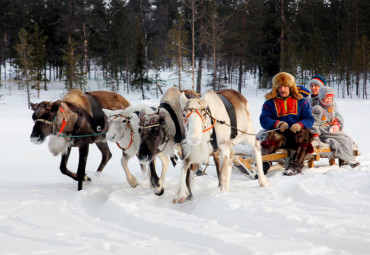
column 287, row 111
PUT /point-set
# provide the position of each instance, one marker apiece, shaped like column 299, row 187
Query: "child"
column 328, row 126
column 316, row 83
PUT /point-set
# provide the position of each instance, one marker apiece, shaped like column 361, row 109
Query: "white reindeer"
column 124, row 131
column 201, row 119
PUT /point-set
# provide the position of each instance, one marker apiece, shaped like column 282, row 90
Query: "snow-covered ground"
column 326, row 210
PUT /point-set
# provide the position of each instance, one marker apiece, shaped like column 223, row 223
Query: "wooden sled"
column 321, row 150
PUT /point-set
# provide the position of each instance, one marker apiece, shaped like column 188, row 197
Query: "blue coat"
column 289, row 110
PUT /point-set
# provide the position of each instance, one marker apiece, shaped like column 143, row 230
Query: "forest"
column 120, row 41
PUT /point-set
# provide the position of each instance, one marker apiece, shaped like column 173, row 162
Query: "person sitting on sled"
column 328, row 127
column 315, row 84
column 290, row 113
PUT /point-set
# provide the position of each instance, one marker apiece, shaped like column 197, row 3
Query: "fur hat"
column 283, row 79
column 317, row 79
column 326, row 92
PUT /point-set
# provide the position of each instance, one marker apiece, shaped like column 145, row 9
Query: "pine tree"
column 38, row 56
column 71, row 70
column 178, row 38
column 24, row 51
column 140, row 61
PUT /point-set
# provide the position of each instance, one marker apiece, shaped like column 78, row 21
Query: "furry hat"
column 317, row 79
column 326, row 92
column 283, row 79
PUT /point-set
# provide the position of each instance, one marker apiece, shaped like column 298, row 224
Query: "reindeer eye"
column 124, row 121
column 155, row 131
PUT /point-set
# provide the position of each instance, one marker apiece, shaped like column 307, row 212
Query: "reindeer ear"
column 203, row 103
column 55, row 106
column 107, row 112
column 33, row 106
column 142, row 114
column 183, row 100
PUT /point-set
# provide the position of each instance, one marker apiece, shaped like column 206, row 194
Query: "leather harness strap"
column 178, row 136
column 231, row 112
column 98, row 119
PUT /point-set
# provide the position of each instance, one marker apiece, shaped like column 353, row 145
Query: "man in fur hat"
column 328, row 127
column 287, row 110
column 315, row 84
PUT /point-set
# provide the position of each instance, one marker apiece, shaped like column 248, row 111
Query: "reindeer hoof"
column 160, row 193
column 87, row 178
column 181, row 200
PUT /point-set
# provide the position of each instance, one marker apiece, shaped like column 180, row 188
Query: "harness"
column 178, row 135
column 127, row 126
column 165, row 130
column 207, row 112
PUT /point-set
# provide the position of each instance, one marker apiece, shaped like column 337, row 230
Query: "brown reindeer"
column 76, row 121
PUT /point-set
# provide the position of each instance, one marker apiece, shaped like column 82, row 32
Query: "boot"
column 266, row 166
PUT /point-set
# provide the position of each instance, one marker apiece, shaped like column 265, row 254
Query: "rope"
column 76, row 136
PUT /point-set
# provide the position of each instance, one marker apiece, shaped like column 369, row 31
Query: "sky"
column 325, row 210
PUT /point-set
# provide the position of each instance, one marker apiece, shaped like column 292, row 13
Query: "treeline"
column 119, row 41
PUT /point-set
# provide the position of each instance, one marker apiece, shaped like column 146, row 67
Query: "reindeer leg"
column 154, row 180
column 84, row 151
column 183, row 191
column 225, row 165
column 106, row 156
column 216, row 159
column 165, row 162
column 63, row 165
column 129, row 177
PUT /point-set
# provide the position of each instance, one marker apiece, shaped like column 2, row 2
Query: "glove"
column 282, row 125
column 334, row 129
column 295, row 127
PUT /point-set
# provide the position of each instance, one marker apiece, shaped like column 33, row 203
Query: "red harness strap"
column 196, row 111
column 131, row 140
column 64, row 122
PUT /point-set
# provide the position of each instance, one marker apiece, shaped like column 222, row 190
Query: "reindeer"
column 163, row 130
column 124, row 131
column 75, row 121
column 224, row 119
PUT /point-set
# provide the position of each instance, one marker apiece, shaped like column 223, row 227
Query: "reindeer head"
column 152, row 135
column 43, row 116
column 118, row 123
column 195, row 118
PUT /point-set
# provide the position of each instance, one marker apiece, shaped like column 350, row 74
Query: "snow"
column 326, row 210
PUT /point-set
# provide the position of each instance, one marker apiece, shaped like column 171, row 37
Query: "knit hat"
column 326, row 92
column 303, row 91
column 317, row 79
column 283, row 79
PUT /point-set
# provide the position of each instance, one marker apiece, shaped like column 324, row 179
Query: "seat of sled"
column 321, row 150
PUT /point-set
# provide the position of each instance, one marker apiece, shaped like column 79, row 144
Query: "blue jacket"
column 289, row 110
